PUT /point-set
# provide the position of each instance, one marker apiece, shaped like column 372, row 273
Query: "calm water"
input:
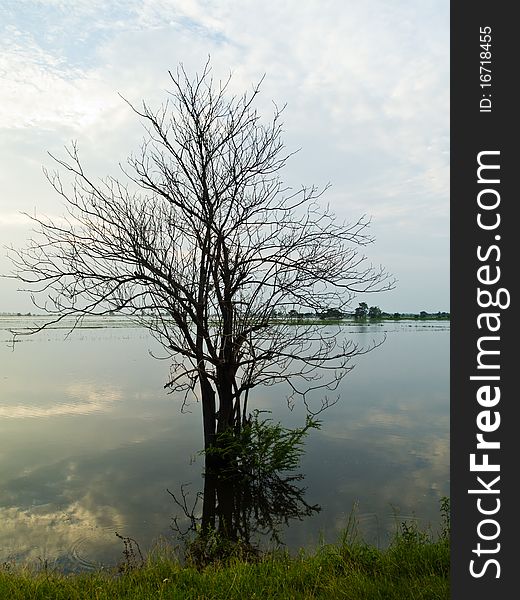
column 90, row 442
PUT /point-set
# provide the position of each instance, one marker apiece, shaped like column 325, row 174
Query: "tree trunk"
column 209, row 500
column 208, row 412
column 225, row 509
column 225, row 395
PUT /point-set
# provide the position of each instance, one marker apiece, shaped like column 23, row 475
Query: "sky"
column 366, row 86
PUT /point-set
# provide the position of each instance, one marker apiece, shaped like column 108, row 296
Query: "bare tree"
column 205, row 246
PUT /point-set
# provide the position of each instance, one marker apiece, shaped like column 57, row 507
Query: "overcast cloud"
column 366, row 86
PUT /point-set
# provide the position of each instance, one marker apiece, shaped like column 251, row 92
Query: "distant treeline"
column 362, row 313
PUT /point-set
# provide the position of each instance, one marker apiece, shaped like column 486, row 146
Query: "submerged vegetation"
column 416, row 565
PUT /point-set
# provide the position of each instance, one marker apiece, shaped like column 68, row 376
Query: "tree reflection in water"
column 247, row 502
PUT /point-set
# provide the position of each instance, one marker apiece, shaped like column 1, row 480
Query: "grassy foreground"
column 414, row 567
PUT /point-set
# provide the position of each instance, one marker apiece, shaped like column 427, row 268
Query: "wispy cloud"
column 366, row 86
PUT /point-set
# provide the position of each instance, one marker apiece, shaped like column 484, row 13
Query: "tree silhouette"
column 200, row 242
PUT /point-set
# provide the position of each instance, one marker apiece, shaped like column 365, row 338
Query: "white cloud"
column 39, row 92
column 366, row 86
column 13, row 220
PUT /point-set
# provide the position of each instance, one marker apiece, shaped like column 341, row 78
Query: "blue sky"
column 366, row 86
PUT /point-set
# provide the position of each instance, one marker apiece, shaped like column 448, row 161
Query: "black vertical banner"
column 485, row 422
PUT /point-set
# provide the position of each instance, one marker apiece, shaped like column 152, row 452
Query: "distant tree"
column 332, row 314
column 423, row 314
column 204, row 236
column 361, row 311
column 374, row 312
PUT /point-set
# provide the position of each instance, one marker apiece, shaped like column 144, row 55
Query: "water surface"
column 91, row 441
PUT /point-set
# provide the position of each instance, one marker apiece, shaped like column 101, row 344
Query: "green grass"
column 414, row 567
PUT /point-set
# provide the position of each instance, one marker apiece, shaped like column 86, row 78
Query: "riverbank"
column 415, row 566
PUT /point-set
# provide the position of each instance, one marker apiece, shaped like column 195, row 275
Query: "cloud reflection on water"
column 86, row 398
column 104, row 441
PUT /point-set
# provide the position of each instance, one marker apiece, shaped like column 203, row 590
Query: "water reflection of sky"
column 91, row 441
